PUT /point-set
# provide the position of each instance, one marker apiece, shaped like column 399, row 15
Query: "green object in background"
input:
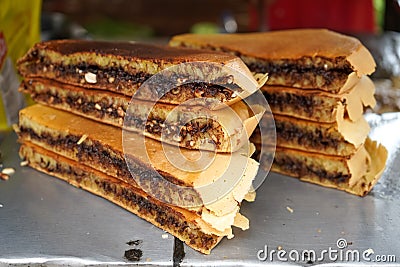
column 204, row 28
column 19, row 30
column 379, row 6
column 112, row 29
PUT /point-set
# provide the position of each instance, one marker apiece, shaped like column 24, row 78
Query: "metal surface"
column 43, row 218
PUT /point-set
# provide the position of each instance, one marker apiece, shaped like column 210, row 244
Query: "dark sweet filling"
column 95, row 153
column 296, row 68
column 298, row 168
column 153, row 125
column 79, row 103
column 303, row 103
column 316, row 139
column 110, row 72
column 158, row 183
column 183, row 134
column 295, row 75
column 147, row 207
column 309, row 72
column 120, row 79
column 296, row 71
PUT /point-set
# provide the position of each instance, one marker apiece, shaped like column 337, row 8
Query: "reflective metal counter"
column 45, row 221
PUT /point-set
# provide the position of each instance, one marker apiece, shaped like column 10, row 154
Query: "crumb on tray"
column 290, row 209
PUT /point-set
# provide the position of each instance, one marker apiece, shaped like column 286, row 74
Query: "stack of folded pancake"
column 84, row 89
column 317, row 90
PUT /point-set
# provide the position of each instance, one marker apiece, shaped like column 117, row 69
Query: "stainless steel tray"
column 44, row 220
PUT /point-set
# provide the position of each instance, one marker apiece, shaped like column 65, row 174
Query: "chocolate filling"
column 182, row 134
column 165, row 216
column 299, row 169
column 297, row 69
column 295, row 75
column 156, row 182
column 306, row 68
column 303, row 104
column 96, row 153
column 78, row 103
column 316, row 139
column 120, row 79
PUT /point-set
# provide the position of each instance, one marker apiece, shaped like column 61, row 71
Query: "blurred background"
column 375, row 22
column 145, row 19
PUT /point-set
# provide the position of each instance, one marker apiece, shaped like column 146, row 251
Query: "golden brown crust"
column 356, row 175
column 60, row 132
column 131, row 51
column 123, row 67
column 303, row 164
column 311, row 136
column 100, row 146
column 302, row 58
column 312, row 105
column 320, row 106
column 178, row 222
column 286, row 44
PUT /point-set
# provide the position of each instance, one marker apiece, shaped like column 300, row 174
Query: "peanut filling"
column 189, row 134
column 127, row 82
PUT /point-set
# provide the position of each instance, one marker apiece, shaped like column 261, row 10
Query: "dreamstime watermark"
column 339, row 253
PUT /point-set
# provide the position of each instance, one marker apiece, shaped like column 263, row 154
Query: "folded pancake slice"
column 316, row 105
column 101, row 147
column 184, row 224
column 356, row 174
column 303, row 58
column 194, row 127
column 123, row 67
column 342, row 138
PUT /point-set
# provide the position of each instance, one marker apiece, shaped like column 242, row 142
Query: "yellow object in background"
column 19, row 30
